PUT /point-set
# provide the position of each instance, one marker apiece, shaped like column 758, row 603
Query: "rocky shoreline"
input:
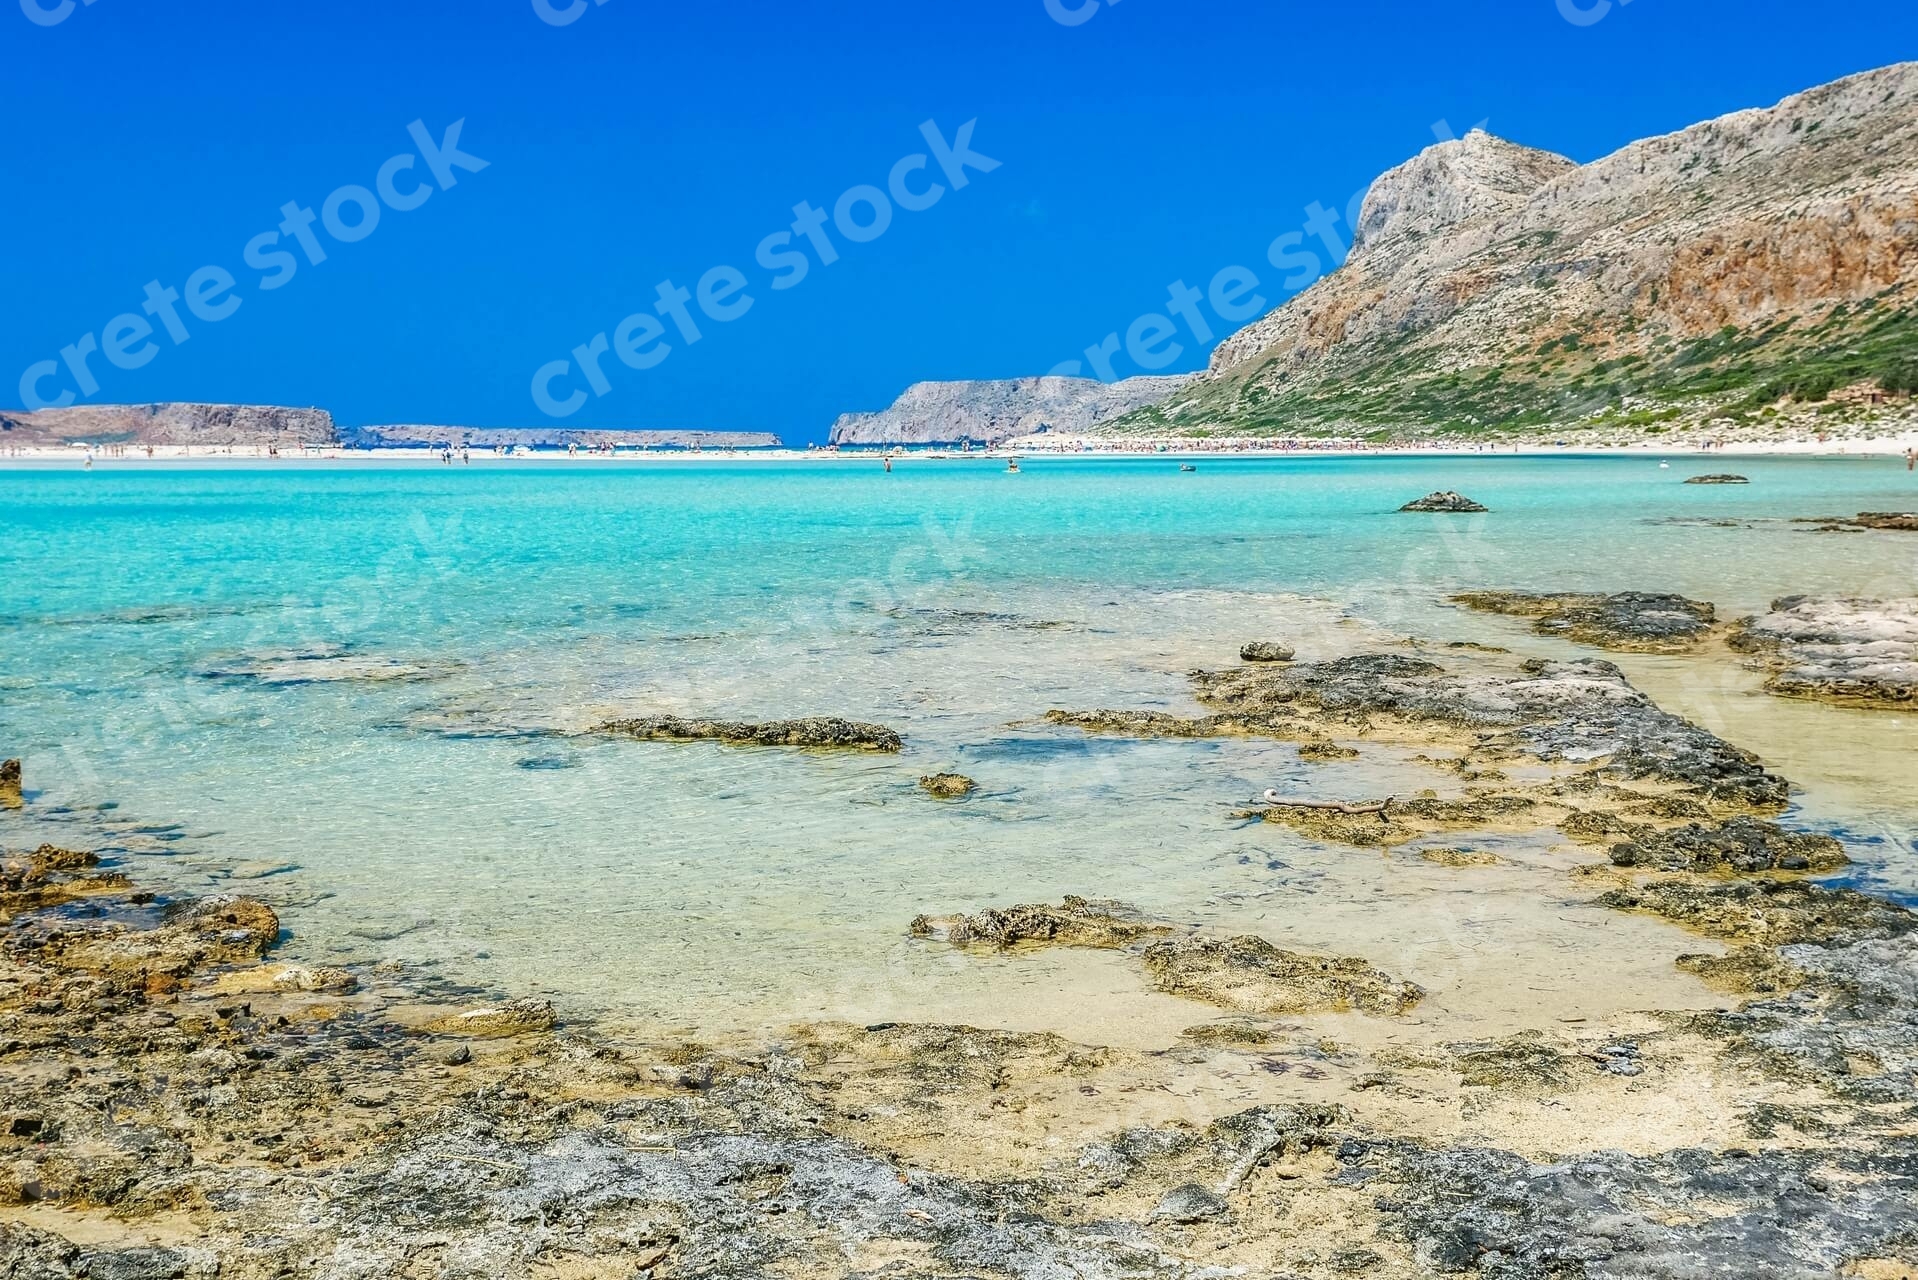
column 175, row 1102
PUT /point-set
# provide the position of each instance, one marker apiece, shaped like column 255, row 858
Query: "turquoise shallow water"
column 347, row 672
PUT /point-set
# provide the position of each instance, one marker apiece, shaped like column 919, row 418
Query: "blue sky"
column 1153, row 141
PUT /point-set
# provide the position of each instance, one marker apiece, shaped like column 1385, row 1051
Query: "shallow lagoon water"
column 342, row 685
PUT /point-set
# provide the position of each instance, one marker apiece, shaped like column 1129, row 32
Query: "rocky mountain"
column 1754, row 271
column 987, row 412
column 169, row 424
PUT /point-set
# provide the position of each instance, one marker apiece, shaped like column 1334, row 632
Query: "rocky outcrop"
column 815, row 732
column 947, row 786
column 1718, row 479
column 1859, row 653
column 1631, row 621
column 10, row 794
column 1756, row 262
column 1444, row 500
column 1266, row 651
column 170, row 424
column 986, row 412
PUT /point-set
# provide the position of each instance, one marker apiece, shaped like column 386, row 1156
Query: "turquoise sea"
column 348, row 688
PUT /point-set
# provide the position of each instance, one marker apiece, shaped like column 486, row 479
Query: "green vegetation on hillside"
column 1633, row 380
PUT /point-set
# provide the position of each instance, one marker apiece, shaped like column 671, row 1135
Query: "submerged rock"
column 1138, row 724
column 1634, row 621
column 948, row 786
column 1444, row 500
column 1860, row 653
column 1460, row 857
column 1743, row 845
column 1323, row 749
column 1267, row 651
column 1718, row 479
column 1078, row 922
column 1252, row 975
column 816, row 732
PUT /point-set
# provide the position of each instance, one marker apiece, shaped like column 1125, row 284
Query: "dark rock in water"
column 1444, row 500
column 1773, row 913
column 819, row 732
column 1077, row 923
column 1884, row 521
column 1252, row 975
column 1633, row 621
column 1861, row 653
column 948, row 786
column 1743, row 845
column 1718, row 479
column 1189, row 1203
column 1267, row 651
column 10, row 796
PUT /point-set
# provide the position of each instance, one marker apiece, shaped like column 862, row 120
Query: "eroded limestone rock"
column 1861, row 653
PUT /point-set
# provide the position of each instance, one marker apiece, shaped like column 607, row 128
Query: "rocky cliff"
column 169, row 424
column 1756, row 269
column 987, row 412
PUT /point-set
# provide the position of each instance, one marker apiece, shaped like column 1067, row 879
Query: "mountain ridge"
column 1731, row 274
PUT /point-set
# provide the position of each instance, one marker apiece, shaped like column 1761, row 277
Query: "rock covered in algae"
column 816, row 732
column 1632, row 621
column 948, row 786
column 1252, row 975
column 1742, row 844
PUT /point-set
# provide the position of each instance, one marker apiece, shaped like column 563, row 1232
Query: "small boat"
column 1186, row 466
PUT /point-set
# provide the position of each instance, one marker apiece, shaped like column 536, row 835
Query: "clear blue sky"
column 644, row 141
